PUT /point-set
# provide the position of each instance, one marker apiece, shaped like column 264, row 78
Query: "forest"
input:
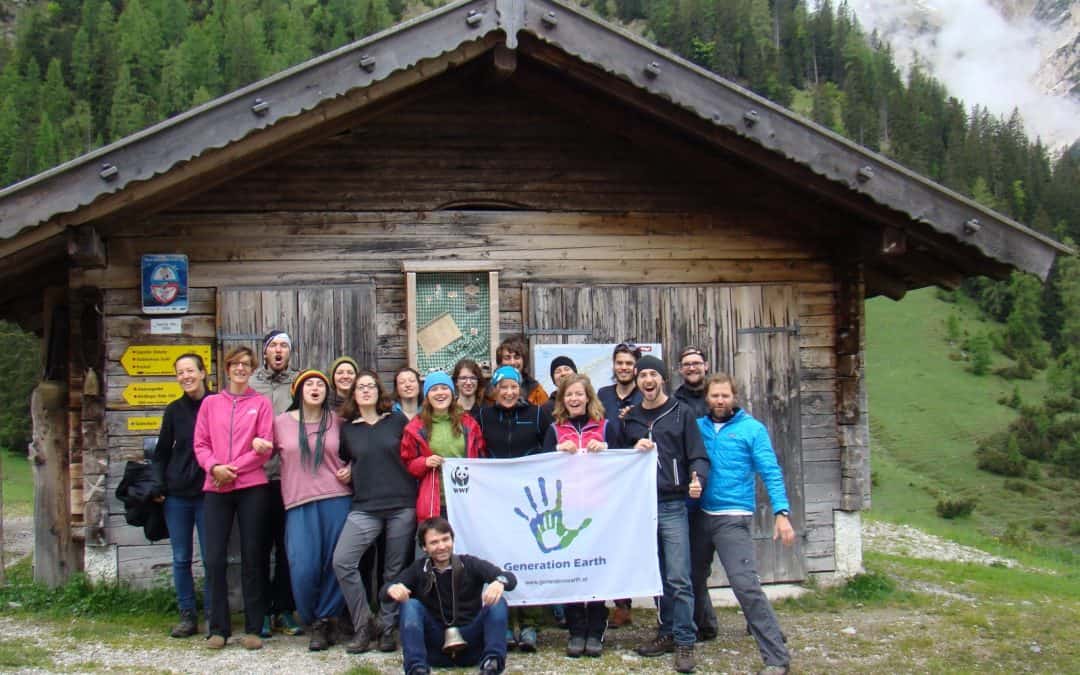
column 78, row 74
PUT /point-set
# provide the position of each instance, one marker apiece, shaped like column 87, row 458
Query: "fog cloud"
column 980, row 56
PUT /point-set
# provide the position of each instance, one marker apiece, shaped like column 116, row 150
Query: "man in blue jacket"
column 738, row 446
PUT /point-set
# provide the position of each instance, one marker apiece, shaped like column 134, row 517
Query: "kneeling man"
column 443, row 590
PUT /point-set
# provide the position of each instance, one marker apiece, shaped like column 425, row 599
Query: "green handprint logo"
column 547, row 526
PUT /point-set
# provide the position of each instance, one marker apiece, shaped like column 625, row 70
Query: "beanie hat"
column 276, row 335
column 562, row 361
column 438, row 377
column 340, row 360
column 505, row 373
column 650, row 362
column 307, row 375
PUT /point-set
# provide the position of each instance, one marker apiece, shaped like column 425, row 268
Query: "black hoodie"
column 176, row 471
column 679, row 448
column 514, row 432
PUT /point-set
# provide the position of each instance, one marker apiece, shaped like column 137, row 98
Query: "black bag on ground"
column 136, row 492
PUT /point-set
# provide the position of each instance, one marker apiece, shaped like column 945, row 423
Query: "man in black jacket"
column 663, row 425
column 442, row 590
column 693, row 366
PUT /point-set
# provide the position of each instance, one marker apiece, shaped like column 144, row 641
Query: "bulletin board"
column 453, row 313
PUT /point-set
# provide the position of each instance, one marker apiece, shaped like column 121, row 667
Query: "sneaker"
column 575, row 646
column 774, row 670
column 215, row 642
column 188, row 625
column 267, row 628
column 684, row 659
column 319, row 639
column 621, row 617
column 388, row 640
column 511, row 640
column 287, row 624
column 360, row 642
column 661, row 644
column 490, row 666
column 594, row 647
column 527, row 641
column 251, row 642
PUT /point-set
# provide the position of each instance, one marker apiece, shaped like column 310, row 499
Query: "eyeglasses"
column 468, row 378
column 241, row 364
column 628, row 347
column 366, row 387
column 692, row 364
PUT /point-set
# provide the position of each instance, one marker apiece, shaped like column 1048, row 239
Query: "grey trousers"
column 361, row 530
column 729, row 537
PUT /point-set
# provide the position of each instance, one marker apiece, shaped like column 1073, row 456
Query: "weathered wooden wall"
column 504, row 178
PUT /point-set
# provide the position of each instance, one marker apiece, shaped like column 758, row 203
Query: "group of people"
column 317, row 467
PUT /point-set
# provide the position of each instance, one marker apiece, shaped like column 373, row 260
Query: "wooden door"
column 325, row 322
column 748, row 331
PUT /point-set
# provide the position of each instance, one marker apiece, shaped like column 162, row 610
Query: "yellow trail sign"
column 158, row 359
column 144, row 423
column 152, row 393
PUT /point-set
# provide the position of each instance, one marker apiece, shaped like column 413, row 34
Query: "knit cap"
column 650, row 362
column 438, row 377
column 562, row 361
column 307, row 375
column 505, row 373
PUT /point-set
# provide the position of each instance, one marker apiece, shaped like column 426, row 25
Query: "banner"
column 572, row 528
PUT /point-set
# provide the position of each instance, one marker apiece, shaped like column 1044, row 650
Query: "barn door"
column 325, row 322
column 748, row 331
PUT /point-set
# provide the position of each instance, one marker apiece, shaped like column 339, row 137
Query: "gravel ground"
column 849, row 640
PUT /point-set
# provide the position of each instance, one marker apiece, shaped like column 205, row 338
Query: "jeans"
column 677, row 603
column 183, row 515
column 311, row 533
column 361, row 530
column 249, row 507
column 730, row 536
column 422, row 637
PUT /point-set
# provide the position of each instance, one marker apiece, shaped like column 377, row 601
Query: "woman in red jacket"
column 580, row 426
column 442, row 429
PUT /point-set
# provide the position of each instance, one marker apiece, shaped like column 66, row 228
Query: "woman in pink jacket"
column 233, row 435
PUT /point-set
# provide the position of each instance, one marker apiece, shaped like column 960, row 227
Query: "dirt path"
column 845, row 640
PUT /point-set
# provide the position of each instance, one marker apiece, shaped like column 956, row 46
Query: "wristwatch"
column 502, row 579
column 783, row 512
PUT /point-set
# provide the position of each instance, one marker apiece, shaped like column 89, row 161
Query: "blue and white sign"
column 571, row 527
column 591, row 360
column 165, row 284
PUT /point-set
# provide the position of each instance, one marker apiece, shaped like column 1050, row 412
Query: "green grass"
column 927, row 413
column 18, row 483
column 22, row 655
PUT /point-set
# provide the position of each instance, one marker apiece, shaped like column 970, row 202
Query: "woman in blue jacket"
column 738, row 446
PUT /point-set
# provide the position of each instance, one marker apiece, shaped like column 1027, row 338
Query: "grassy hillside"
column 927, row 412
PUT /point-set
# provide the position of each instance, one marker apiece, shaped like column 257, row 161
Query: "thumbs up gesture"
column 695, row 485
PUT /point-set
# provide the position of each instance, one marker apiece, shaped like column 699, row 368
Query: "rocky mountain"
column 1002, row 54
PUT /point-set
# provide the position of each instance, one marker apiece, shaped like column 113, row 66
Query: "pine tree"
column 128, row 110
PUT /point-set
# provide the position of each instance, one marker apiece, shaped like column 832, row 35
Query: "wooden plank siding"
column 506, row 180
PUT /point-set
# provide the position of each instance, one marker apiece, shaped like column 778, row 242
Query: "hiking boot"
column 286, row 623
column 661, row 644
column 251, row 642
column 490, row 666
column 774, row 670
column 360, row 642
column 267, row 630
column 594, row 647
column 621, row 617
column 684, row 659
column 575, row 646
column 527, row 641
column 388, row 640
column 319, row 639
column 188, row 625
column 215, row 642
column 559, row 613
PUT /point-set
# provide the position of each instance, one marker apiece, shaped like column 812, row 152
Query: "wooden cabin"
column 577, row 183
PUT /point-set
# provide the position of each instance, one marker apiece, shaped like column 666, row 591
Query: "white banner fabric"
column 571, row 527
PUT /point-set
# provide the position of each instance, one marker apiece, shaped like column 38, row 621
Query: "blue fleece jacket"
column 737, row 451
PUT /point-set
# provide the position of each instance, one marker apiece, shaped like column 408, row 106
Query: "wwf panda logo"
column 460, row 476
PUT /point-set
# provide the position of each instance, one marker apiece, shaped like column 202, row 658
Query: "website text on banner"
column 573, row 528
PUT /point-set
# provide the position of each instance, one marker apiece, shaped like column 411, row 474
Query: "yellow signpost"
column 152, row 393
column 144, row 424
column 158, row 359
